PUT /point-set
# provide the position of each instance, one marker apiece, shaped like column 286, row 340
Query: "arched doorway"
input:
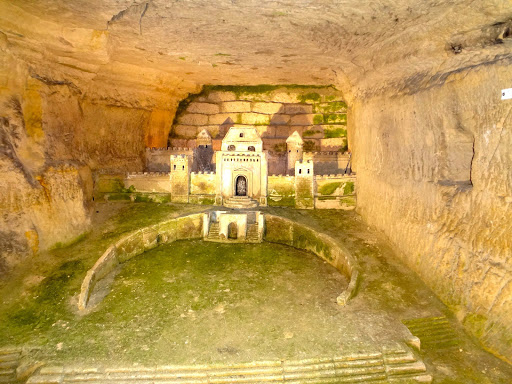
column 241, row 186
column 232, row 231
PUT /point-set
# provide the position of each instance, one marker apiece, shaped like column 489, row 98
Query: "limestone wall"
column 281, row 190
column 202, row 183
column 148, row 182
column 434, row 174
column 316, row 113
column 47, row 212
column 157, row 159
column 57, row 130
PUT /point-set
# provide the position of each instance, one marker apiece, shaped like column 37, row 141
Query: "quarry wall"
column 434, row 174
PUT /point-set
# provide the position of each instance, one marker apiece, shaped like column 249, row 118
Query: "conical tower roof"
column 294, row 139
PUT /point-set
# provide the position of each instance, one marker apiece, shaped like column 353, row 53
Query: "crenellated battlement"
column 169, row 149
column 203, row 173
column 326, row 177
column 147, row 174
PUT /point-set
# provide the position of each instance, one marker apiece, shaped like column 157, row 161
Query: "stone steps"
column 433, row 332
column 214, row 231
column 240, row 202
column 253, row 233
column 9, row 361
column 399, row 366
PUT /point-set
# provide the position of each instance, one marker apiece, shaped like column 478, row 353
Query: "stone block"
column 86, row 289
column 334, row 142
column 332, row 107
column 106, row 263
column 315, row 132
column 236, row 106
column 219, row 96
column 150, row 237
column 282, row 131
column 284, row 97
column 193, row 119
column 255, row 118
column 224, row 118
column 266, row 131
column 297, row 109
column 203, row 108
column 130, row 246
column 189, row 131
column 303, row 119
column 268, row 108
column 167, row 231
column 278, row 230
column 335, row 118
column 189, row 227
column 280, row 119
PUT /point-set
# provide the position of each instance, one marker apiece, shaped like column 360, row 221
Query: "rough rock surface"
column 434, row 174
column 91, row 83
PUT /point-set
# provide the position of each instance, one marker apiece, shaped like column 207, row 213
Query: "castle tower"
column 204, row 139
column 180, row 178
column 304, row 185
column 203, row 154
column 294, row 145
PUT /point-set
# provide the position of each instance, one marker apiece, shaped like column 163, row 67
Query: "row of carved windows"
column 250, row 148
column 252, row 159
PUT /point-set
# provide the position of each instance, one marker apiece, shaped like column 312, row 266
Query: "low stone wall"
column 284, row 231
column 136, row 243
column 281, row 191
column 149, row 182
column 277, row 230
column 202, row 183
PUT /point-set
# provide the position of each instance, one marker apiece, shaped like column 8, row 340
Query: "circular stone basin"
column 200, row 302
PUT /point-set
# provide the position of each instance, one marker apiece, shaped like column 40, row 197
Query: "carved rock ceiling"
column 361, row 46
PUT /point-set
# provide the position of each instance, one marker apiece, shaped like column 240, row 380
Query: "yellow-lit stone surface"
column 85, row 86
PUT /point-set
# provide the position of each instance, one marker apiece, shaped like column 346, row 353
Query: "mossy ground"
column 201, row 302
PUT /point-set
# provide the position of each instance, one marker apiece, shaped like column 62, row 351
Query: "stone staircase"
column 213, row 231
column 240, row 202
column 387, row 366
column 433, row 332
column 253, row 235
column 9, row 361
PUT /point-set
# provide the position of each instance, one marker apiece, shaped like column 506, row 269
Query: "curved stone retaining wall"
column 284, row 231
column 278, row 230
column 136, row 243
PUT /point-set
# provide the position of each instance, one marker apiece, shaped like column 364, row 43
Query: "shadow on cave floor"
column 194, row 302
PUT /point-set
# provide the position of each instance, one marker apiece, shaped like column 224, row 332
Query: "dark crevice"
column 11, row 135
column 477, row 39
column 117, row 16
column 146, row 6
column 471, row 164
column 49, row 81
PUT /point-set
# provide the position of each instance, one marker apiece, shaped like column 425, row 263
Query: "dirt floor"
column 200, row 302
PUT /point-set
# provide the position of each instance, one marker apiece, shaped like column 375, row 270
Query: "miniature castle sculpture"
column 240, row 178
column 241, row 166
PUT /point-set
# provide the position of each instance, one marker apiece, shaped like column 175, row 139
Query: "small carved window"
column 251, row 148
column 308, row 171
column 231, row 148
column 174, row 166
column 300, row 171
column 241, row 135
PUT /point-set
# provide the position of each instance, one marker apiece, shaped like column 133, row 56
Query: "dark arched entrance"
column 241, row 186
column 232, row 231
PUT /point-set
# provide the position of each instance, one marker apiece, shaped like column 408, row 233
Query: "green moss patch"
column 329, row 188
column 335, row 133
